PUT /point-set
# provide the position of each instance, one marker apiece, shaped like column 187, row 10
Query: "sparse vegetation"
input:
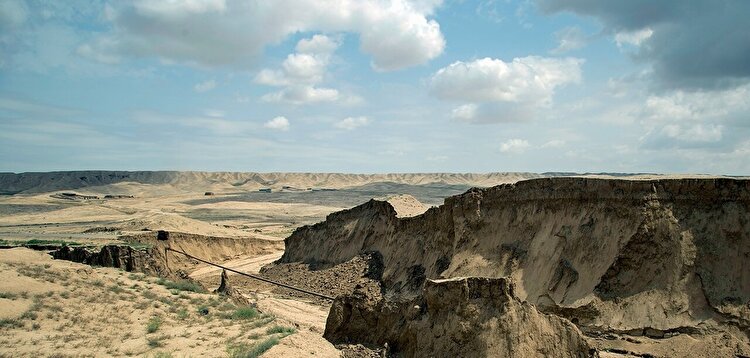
column 182, row 285
column 252, row 351
column 245, row 313
column 149, row 295
column 38, row 242
column 264, row 319
column 153, row 325
column 182, row 314
column 137, row 276
column 10, row 323
column 8, row 295
column 162, row 355
column 155, row 342
column 285, row 331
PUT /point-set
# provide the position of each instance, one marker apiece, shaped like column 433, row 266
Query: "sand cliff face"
column 455, row 318
column 619, row 254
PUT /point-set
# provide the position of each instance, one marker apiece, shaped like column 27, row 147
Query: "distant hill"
column 41, row 182
column 124, row 181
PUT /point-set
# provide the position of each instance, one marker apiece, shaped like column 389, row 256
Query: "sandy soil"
column 56, row 306
column 76, row 310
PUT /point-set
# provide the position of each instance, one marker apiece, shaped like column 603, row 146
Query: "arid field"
column 533, row 265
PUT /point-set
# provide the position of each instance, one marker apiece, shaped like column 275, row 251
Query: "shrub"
column 245, row 313
column 280, row 329
column 153, row 325
column 8, row 295
column 203, row 311
column 182, row 285
column 154, row 342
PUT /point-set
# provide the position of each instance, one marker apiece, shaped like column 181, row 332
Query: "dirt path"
column 310, row 321
column 308, row 318
column 249, row 264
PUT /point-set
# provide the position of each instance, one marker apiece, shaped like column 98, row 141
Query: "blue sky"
column 376, row 86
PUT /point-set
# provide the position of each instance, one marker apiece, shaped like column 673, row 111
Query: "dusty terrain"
column 235, row 225
column 620, row 271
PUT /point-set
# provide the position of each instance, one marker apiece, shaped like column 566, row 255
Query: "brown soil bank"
column 455, row 318
column 146, row 253
column 616, row 255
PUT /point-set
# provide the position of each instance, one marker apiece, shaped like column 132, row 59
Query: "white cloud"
column 302, row 95
column 300, row 72
column 318, row 44
column 516, row 146
column 501, row 91
column 569, row 39
column 683, row 136
column 526, row 79
column 634, row 38
column 351, row 123
column 212, row 121
column 697, row 105
column 396, row 33
column 180, row 8
column 278, row 123
column 307, row 66
column 464, row 112
column 205, row 86
column 35, row 109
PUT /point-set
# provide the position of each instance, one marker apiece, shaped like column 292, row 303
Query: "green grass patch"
column 153, row 325
column 252, row 351
column 245, row 313
column 281, row 329
column 182, row 285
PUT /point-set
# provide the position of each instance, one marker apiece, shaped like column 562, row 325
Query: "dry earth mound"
column 406, row 205
column 653, row 257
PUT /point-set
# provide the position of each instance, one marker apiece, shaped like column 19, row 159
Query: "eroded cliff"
column 613, row 254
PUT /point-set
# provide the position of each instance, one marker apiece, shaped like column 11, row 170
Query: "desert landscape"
column 403, row 265
column 375, row 178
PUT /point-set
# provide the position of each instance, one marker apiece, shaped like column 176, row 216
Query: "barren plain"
column 605, row 268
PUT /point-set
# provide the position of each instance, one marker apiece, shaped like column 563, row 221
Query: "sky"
column 375, row 86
